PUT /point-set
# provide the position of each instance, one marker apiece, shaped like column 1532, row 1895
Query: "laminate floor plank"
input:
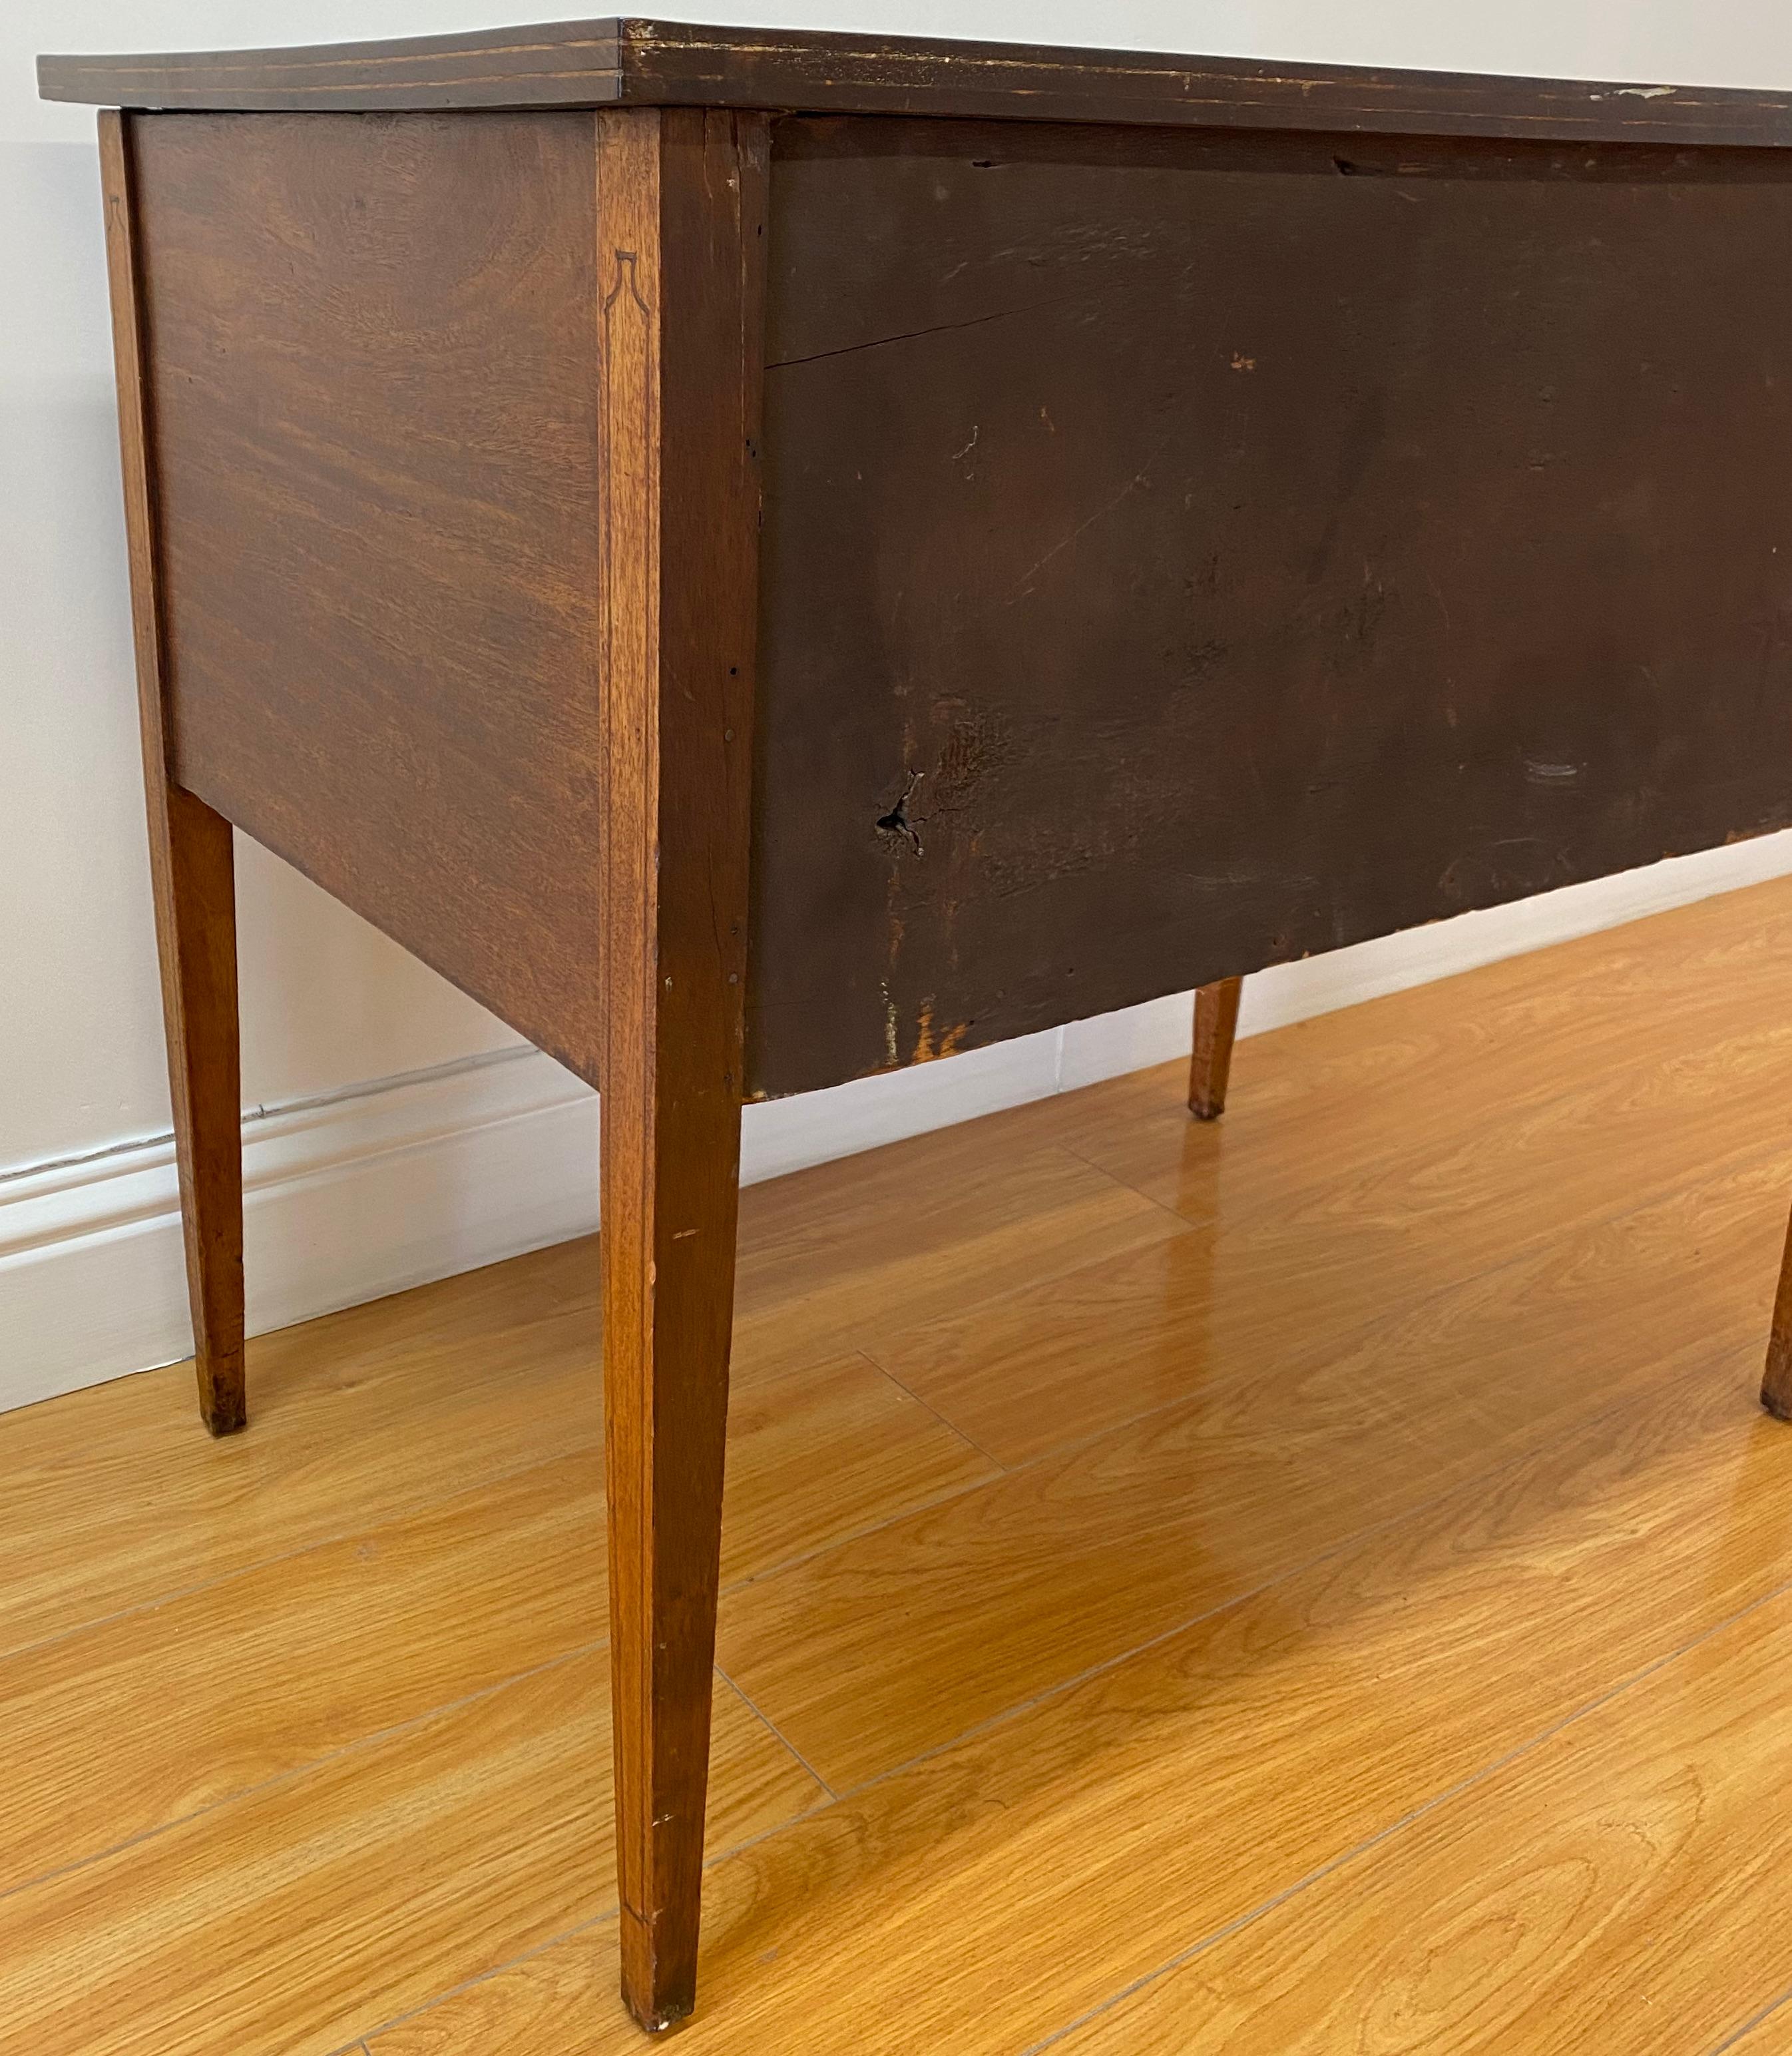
column 842, row 1255
column 982, row 1899
column 295, row 1917
column 1615, row 1887
column 112, row 1502
column 818, row 1454
column 1182, row 1546
column 219, row 1689
column 894, row 1643
column 1770, row 2035
column 1168, row 1321
column 1627, row 1021
column 1443, row 1180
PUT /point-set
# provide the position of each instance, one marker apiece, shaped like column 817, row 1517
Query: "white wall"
column 400, row 1132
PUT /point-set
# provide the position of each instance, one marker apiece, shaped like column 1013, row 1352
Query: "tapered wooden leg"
column 670, row 1165
column 192, row 871
column 1776, row 1385
column 195, row 932
column 681, row 197
column 1216, row 1021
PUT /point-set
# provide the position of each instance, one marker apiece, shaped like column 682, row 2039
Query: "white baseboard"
column 379, row 1187
column 343, row 1199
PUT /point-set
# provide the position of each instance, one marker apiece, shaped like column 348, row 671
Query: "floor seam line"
column 296, row 1771
column 1107, row 1663
column 479, row 1978
column 1473, row 1482
column 858, row 1534
column 1185, row 1220
column 329, row 1541
column 883, row 1370
column 772, row 1728
column 1413, row 1814
column 1749, row 2025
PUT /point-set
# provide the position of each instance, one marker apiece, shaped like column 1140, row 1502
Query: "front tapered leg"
column 670, row 1162
column 193, row 876
column 681, row 197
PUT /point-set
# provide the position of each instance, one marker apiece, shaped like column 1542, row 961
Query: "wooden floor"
column 1317, row 1583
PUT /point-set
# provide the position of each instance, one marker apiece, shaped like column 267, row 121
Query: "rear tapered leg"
column 681, row 196
column 1216, row 1021
column 193, row 877
column 195, row 932
column 1776, row 1385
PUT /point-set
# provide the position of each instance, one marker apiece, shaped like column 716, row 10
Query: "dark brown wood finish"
column 681, row 257
column 1187, row 553
column 586, row 64
column 1216, row 1024
column 374, row 381
column 191, row 872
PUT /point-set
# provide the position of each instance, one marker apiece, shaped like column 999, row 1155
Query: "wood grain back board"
column 1184, row 553
column 374, row 425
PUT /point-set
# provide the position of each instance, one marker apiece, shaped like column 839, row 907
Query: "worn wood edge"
column 559, row 63
column 609, row 61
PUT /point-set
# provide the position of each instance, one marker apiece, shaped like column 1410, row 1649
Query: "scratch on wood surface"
column 976, row 744
column 1024, row 585
column 930, row 1044
column 924, row 1033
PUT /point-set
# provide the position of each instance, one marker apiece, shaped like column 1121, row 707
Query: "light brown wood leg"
column 1776, row 1385
column 670, row 1168
column 192, row 873
column 681, row 197
column 196, row 932
column 1216, row 1021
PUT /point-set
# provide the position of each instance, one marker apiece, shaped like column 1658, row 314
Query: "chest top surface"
column 621, row 62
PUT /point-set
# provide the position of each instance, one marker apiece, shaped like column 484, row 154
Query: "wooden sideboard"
column 768, row 557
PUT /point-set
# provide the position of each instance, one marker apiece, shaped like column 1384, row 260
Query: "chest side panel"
column 374, row 431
